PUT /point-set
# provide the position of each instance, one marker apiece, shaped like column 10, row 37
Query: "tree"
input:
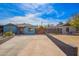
column 75, row 22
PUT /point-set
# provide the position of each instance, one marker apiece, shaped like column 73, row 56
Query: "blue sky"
column 36, row 13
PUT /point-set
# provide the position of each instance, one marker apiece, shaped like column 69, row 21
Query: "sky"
column 37, row 13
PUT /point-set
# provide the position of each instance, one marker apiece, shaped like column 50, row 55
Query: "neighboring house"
column 10, row 28
column 66, row 29
column 50, row 28
column 26, row 29
column 1, row 29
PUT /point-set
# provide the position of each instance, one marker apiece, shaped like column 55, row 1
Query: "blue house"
column 10, row 28
column 26, row 29
column 29, row 30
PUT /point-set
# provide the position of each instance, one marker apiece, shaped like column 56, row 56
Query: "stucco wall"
column 27, row 31
column 71, row 30
column 8, row 28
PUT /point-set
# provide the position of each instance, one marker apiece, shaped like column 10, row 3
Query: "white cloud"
column 40, row 8
column 35, row 10
column 31, row 5
column 31, row 19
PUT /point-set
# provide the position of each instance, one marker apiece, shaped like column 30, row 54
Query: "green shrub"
column 8, row 34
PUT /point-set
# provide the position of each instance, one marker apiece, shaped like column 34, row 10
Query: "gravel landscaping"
column 4, row 39
column 69, row 39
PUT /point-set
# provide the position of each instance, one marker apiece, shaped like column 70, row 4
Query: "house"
column 1, row 29
column 27, row 29
column 50, row 28
column 20, row 28
column 66, row 29
column 10, row 28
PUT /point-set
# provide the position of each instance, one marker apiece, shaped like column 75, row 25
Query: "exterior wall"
column 29, row 31
column 8, row 28
column 71, row 30
column 59, row 30
column 17, row 30
column 64, row 30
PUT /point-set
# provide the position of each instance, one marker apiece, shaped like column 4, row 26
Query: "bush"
column 8, row 34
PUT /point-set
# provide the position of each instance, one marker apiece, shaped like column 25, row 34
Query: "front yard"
column 69, row 39
column 4, row 39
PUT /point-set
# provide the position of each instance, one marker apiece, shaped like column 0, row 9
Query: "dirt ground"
column 30, row 45
column 69, row 39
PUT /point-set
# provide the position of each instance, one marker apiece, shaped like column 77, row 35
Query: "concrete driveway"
column 30, row 45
